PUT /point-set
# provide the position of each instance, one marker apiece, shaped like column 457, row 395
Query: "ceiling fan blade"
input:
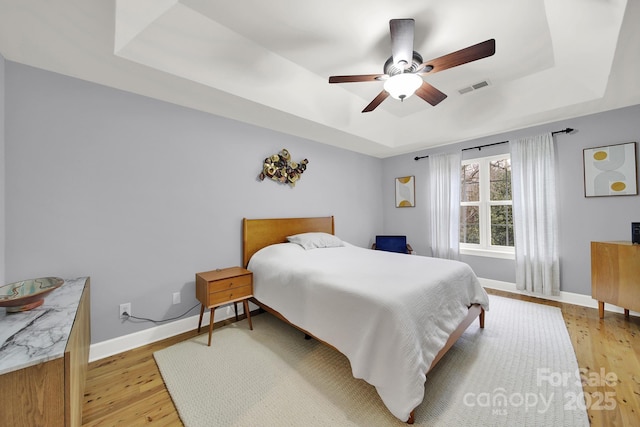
column 459, row 57
column 355, row 79
column 402, row 41
column 376, row 101
column 430, row 94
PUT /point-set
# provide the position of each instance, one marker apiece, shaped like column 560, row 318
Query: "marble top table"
column 31, row 337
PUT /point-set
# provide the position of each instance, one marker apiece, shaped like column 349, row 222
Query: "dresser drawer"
column 230, row 283
column 230, row 295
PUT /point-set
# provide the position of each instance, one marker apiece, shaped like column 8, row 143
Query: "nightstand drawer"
column 230, row 294
column 230, row 283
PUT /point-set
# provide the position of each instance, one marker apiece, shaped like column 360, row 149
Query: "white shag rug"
column 520, row 370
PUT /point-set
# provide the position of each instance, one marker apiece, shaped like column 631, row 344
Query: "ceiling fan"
column 403, row 69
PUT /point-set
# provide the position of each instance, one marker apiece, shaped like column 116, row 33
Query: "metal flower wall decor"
column 279, row 167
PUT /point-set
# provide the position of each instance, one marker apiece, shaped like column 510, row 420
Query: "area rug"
column 520, row 370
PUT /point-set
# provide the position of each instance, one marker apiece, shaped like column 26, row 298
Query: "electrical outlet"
column 125, row 308
column 176, row 297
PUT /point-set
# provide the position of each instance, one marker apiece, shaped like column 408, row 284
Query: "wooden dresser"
column 44, row 354
column 615, row 275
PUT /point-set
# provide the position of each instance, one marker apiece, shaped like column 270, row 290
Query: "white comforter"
column 389, row 313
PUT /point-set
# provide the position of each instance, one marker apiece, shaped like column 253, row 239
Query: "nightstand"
column 223, row 286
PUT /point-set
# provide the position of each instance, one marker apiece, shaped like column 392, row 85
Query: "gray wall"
column 2, row 174
column 581, row 219
column 140, row 194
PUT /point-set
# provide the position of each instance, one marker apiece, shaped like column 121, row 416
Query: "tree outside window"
column 486, row 214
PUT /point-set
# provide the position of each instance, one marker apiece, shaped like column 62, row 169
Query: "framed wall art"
column 405, row 192
column 610, row 170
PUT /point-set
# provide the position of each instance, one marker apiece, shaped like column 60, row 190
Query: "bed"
column 390, row 319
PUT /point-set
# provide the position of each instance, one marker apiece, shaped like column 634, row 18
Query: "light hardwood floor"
column 127, row 389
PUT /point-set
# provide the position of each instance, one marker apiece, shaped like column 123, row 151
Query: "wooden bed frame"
column 258, row 233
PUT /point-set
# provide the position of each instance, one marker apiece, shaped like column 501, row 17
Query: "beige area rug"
column 520, row 370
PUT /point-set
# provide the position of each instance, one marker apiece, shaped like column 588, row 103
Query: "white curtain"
column 534, row 214
column 444, row 204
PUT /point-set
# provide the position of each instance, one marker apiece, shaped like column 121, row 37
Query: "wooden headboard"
column 258, row 233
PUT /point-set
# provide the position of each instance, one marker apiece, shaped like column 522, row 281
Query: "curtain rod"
column 480, row 147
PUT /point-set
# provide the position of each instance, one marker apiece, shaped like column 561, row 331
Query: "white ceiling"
column 268, row 62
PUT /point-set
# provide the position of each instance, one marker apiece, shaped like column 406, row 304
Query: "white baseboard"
column 567, row 297
column 117, row 345
column 137, row 339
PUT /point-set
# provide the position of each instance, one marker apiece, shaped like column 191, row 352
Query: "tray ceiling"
column 267, row 63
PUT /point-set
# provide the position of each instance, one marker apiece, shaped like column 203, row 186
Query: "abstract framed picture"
column 405, row 192
column 610, row 170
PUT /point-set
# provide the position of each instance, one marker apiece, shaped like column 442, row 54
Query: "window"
column 486, row 212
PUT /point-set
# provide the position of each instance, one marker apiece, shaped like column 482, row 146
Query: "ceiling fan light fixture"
column 402, row 86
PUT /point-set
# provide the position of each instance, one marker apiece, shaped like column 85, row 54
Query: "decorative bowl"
column 27, row 294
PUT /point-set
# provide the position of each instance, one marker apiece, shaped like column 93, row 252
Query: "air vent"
column 479, row 85
column 473, row 87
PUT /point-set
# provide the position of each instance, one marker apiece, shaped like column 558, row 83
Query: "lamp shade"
column 402, row 86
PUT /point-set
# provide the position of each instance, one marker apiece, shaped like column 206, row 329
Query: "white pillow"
column 315, row 240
